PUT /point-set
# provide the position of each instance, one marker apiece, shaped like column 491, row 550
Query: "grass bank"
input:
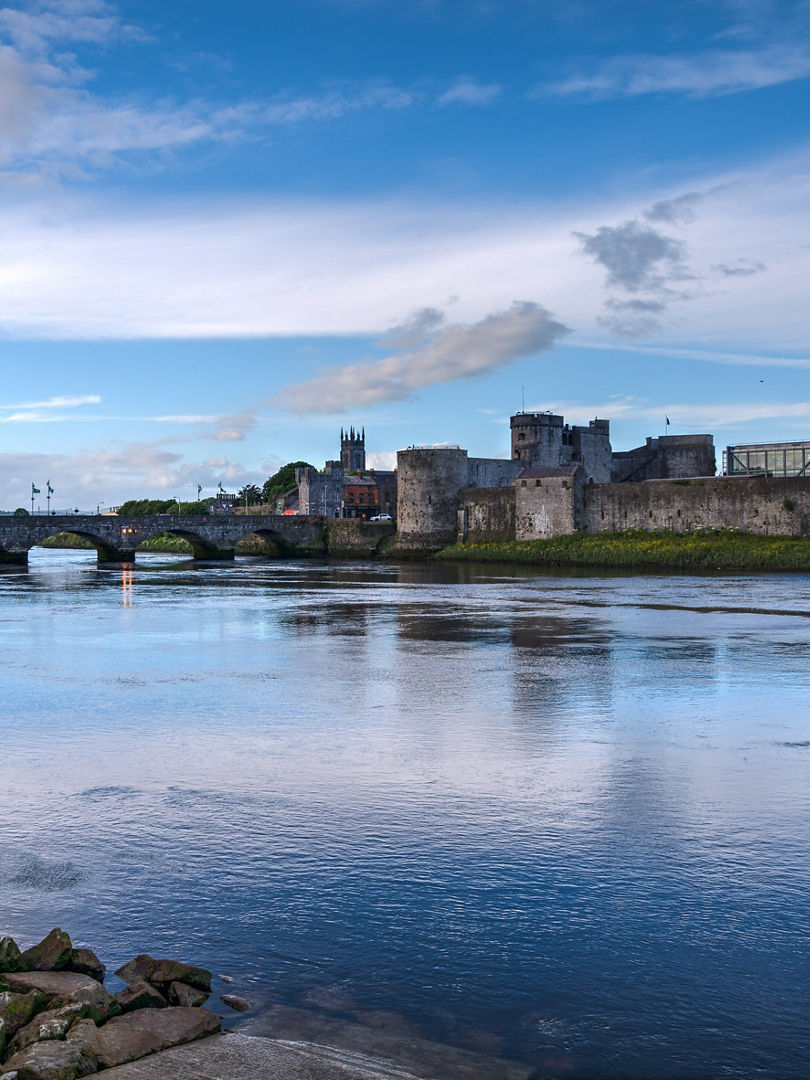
column 163, row 543
column 721, row 550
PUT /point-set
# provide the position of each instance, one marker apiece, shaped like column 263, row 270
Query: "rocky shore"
column 58, row 1022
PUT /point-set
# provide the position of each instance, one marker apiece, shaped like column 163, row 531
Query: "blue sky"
column 229, row 229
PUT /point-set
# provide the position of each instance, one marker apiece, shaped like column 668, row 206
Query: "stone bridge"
column 211, row 537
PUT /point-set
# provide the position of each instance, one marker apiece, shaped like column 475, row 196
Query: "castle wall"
column 592, row 446
column 752, row 504
column 666, row 457
column 547, row 506
column 320, row 493
column 486, row 514
column 492, row 472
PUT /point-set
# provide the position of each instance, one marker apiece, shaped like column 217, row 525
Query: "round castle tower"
column 428, row 483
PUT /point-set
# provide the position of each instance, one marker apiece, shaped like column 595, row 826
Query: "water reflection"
column 560, row 818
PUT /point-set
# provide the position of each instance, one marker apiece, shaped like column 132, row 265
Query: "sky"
column 229, row 229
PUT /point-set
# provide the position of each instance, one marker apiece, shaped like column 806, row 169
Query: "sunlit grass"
column 721, row 550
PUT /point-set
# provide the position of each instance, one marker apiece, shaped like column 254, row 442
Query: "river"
column 560, row 818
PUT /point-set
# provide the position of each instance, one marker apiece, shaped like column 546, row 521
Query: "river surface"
column 564, row 819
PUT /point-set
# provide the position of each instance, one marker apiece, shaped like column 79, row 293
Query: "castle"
column 539, row 491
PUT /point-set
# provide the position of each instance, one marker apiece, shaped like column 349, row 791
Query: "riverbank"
column 721, row 550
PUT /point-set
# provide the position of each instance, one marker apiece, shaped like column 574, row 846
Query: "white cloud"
column 126, row 471
column 309, row 268
column 466, row 91
column 382, row 459
column 454, row 352
column 58, row 402
column 714, row 72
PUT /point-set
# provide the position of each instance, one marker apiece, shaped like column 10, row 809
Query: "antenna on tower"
column 523, row 399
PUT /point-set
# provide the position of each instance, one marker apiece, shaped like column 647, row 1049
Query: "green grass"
column 163, row 543
column 721, row 550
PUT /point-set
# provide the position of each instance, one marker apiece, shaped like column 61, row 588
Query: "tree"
column 282, row 481
column 21, row 512
column 250, row 495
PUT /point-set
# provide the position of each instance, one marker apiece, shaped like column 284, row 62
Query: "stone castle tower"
column 353, row 450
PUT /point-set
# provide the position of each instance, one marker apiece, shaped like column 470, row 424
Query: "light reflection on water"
column 562, row 817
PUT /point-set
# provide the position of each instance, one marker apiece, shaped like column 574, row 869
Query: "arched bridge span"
column 116, row 539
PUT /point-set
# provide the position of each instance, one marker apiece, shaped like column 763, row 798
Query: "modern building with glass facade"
column 767, row 459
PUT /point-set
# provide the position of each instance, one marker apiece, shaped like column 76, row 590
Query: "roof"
column 357, row 481
column 536, row 473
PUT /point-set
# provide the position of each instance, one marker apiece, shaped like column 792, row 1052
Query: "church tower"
column 353, row 450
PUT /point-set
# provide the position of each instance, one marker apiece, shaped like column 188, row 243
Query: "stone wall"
column 667, row 457
column 320, row 492
column 767, row 507
column 548, row 506
column 492, row 472
column 486, row 514
column 353, row 538
column 429, row 482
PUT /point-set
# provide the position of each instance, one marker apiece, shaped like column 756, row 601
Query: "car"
column 381, row 517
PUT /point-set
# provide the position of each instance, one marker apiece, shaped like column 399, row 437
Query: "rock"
column 68, row 987
column 58, row 1059
column 140, row 995
column 164, row 972
column 129, row 1037
column 52, row 1024
column 85, row 962
column 10, row 955
column 17, row 1010
column 233, row 1001
column 52, row 953
column 183, row 994
column 226, row 978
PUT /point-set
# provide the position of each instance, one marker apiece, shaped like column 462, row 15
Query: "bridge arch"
column 200, row 547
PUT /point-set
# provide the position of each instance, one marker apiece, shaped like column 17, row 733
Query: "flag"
column 50, row 489
column 667, row 420
column 199, row 489
column 34, row 490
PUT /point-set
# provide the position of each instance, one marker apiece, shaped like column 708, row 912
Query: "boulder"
column 140, row 995
column 57, row 1059
column 10, row 955
column 68, row 987
column 129, row 1037
column 85, row 962
column 51, row 1024
column 233, row 1001
column 17, row 1010
column 164, row 972
column 183, row 994
column 52, row 953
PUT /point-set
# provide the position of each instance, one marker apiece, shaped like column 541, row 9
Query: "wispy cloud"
column 705, row 416
column 453, row 352
column 467, row 91
column 54, row 121
column 709, row 356
column 69, row 402
column 713, row 72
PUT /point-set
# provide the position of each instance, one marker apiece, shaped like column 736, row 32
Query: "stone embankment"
column 58, row 1022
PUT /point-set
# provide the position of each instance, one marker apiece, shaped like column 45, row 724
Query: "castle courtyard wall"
column 759, row 505
column 486, row 514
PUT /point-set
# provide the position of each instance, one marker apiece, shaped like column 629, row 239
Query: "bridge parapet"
column 213, row 536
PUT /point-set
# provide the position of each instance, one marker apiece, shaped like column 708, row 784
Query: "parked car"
column 381, row 517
